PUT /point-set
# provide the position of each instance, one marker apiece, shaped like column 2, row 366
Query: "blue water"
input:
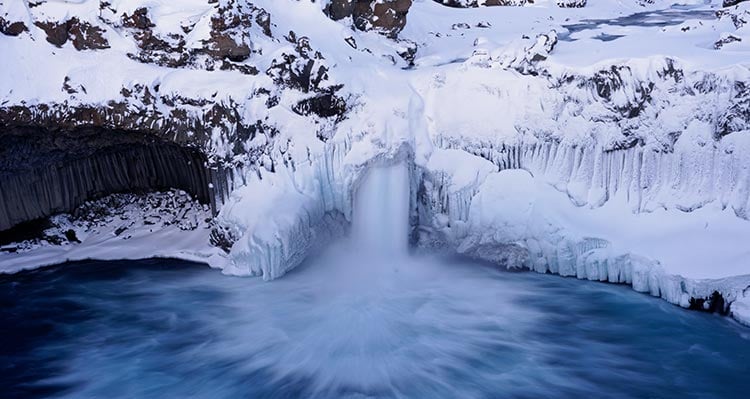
column 426, row 328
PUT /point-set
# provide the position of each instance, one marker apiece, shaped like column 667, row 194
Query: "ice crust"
column 520, row 221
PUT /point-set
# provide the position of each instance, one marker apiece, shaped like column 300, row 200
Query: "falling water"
column 381, row 212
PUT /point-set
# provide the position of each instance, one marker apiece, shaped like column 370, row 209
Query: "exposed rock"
column 340, row 9
column 230, row 28
column 116, row 214
column 230, row 40
column 712, row 304
column 303, row 69
column 726, row 39
column 83, row 35
column 165, row 51
column 571, row 3
column 729, row 3
column 736, row 118
column 480, row 3
column 9, row 28
column 384, row 16
column 523, row 55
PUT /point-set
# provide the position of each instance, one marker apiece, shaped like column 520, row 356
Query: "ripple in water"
column 417, row 328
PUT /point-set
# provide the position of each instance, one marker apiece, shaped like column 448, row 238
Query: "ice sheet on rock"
column 280, row 217
column 517, row 220
column 740, row 308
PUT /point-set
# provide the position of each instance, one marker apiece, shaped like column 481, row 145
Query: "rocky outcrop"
column 230, row 27
column 571, row 3
column 385, row 16
column 480, row 3
column 233, row 28
column 83, row 35
column 12, row 28
column 729, row 3
column 516, row 3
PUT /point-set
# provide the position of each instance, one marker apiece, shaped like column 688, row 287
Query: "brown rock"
column 84, row 35
column 12, row 28
column 223, row 46
column 57, row 34
column 385, row 16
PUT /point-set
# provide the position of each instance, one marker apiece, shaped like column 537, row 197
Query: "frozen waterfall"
column 380, row 224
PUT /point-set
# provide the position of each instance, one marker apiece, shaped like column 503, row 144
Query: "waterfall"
column 380, row 223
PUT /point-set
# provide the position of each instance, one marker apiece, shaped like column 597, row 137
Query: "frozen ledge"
column 695, row 259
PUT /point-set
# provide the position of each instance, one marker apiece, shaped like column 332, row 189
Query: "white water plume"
column 381, row 212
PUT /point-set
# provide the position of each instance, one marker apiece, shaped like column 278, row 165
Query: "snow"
column 741, row 308
column 158, row 225
column 669, row 253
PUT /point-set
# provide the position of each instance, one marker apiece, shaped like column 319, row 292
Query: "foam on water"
column 427, row 328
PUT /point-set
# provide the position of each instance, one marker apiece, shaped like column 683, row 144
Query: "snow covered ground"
column 120, row 226
column 633, row 118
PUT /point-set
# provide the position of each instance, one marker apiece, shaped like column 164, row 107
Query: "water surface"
column 418, row 328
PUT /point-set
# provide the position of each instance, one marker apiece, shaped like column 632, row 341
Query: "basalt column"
column 43, row 171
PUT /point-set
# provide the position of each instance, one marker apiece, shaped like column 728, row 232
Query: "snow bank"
column 741, row 308
column 517, row 220
column 120, row 226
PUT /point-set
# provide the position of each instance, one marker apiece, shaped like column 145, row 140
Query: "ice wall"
column 697, row 171
column 516, row 220
column 276, row 219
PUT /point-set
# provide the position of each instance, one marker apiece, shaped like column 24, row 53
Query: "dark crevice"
column 712, row 304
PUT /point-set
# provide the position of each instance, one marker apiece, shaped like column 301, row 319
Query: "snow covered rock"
column 741, row 308
column 481, row 3
column 571, row 3
column 14, row 18
column 517, row 221
column 729, row 3
column 385, row 16
column 83, row 35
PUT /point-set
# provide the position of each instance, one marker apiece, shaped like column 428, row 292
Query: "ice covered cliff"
column 630, row 121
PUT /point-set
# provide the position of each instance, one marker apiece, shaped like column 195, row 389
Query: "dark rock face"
column 571, row 3
column 229, row 27
column 729, row 3
column 231, row 37
column 478, row 3
column 305, row 70
column 493, row 3
column 83, row 35
column 385, row 16
column 712, row 304
column 726, row 40
column 9, row 28
column 168, row 52
column 43, row 172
